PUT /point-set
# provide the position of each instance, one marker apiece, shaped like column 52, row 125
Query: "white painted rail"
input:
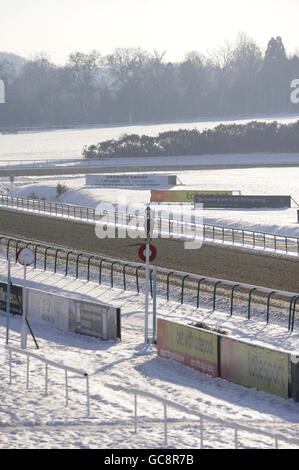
column 167, row 225
column 52, row 163
column 47, row 362
column 237, row 427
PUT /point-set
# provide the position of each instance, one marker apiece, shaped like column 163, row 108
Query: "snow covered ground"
column 28, row 419
column 255, row 181
column 68, row 144
column 46, row 144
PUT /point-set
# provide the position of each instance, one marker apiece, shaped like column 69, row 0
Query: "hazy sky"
column 175, row 26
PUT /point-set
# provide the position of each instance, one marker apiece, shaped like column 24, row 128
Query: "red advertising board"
column 162, row 196
column 189, row 345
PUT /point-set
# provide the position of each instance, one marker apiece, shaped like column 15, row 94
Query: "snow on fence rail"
column 41, row 253
column 48, row 363
column 203, row 418
column 53, row 163
column 164, row 226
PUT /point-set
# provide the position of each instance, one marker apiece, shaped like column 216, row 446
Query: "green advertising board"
column 193, row 347
column 254, row 366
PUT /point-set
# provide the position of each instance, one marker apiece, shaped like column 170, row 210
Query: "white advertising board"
column 74, row 315
column 130, row 180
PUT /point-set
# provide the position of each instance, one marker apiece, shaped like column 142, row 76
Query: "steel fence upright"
column 198, row 289
column 268, row 304
column 232, row 297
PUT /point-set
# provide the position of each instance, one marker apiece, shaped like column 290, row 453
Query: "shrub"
column 251, row 137
column 60, row 189
column 202, row 325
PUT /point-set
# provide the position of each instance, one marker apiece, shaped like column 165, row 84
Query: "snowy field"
column 29, row 419
column 255, row 181
column 46, row 144
column 68, row 144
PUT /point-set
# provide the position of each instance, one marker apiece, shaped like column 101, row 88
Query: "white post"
column 66, row 390
column 10, row 368
column 87, row 393
column 236, row 437
column 24, row 326
column 165, row 424
column 154, row 303
column 27, row 375
column 135, row 413
column 46, row 380
column 104, row 325
column 201, row 432
column 147, row 256
column 148, row 229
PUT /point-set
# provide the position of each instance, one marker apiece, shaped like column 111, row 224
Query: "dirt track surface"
column 233, row 264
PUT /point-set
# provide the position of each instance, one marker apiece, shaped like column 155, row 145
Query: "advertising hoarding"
column 130, row 180
column 16, row 296
column 189, row 345
column 239, row 202
column 254, row 366
column 182, row 196
column 75, row 315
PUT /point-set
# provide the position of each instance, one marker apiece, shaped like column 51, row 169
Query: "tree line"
column 133, row 85
column 251, row 137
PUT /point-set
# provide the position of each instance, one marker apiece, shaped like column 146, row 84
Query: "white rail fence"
column 53, row 163
column 47, row 362
column 168, row 225
column 276, row 437
column 203, row 419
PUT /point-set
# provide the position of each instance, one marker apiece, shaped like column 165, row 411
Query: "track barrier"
column 171, row 226
column 92, row 268
column 30, row 355
column 203, row 419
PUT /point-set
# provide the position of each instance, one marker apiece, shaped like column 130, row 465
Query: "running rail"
column 47, row 362
column 171, row 227
column 167, row 403
column 41, row 254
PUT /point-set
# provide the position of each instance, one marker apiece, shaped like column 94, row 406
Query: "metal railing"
column 42, row 206
column 236, row 427
column 165, row 227
column 71, row 262
column 47, row 363
column 53, row 163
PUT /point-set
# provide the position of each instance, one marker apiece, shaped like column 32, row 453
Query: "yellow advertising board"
column 254, row 366
column 182, row 196
column 191, row 346
column 221, row 356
